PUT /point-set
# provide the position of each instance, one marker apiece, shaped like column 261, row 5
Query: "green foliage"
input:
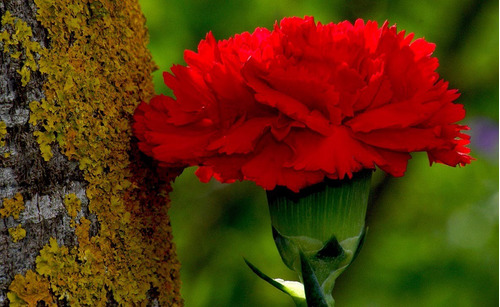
column 433, row 237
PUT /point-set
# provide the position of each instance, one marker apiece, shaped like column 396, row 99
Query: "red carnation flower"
column 303, row 102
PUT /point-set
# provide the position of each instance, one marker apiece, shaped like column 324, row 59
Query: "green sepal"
column 314, row 294
column 287, row 248
column 320, row 230
column 333, row 207
column 293, row 288
column 329, row 262
column 331, row 250
column 361, row 242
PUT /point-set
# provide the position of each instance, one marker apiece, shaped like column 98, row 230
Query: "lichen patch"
column 16, row 41
column 12, row 206
column 17, row 233
column 29, row 290
column 97, row 69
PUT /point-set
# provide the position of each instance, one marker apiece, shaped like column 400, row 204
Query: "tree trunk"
column 83, row 215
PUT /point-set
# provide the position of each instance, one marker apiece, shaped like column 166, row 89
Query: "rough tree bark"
column 83, row 215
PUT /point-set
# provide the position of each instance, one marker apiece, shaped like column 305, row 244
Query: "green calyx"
column 318, row 232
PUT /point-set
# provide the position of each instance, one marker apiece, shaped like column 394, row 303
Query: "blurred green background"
column 433, row 237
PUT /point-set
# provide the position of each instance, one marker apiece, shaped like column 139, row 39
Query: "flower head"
column 302, row 102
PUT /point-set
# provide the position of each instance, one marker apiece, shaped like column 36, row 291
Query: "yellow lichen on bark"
column 17, row 233
column 16, row 41
column 3, row 133
column 97, row 69
column 73, row 204
column 30, row 290
column 12, row 206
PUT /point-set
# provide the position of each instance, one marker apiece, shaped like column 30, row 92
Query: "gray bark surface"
column 42, row 184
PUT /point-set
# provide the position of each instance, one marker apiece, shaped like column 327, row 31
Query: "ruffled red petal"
column 303, row 102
